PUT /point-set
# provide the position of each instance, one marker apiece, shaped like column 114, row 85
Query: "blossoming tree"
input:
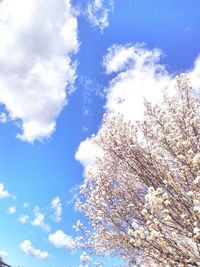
column 142, row 197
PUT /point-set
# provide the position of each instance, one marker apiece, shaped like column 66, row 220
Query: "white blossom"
column 142, row 195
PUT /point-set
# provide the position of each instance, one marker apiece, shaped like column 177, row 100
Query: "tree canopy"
column 142, row 197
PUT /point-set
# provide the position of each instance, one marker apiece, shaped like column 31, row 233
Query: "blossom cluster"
column 142, row 198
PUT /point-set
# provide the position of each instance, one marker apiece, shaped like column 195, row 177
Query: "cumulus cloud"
column 118, row 57
column 39, row 220
column 138, row 75
column 38, row 39
column 98, row 13
column 24, row 218
column 194, row 74
column 3, row 192
column 12, row 210
column 57, row 207
column 29, row 250
column 87, row 153
column 61, row 240
column 132, row 56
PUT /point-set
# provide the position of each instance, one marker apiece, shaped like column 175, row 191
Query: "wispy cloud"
column 57, row 207
column 37, row 41
column 98, row 13
column 39, row 220
column 74, row 191
column 61, row 240
column 28, row 249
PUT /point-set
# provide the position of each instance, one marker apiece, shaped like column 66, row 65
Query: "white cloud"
column 3, row 254
column 140, row 76
column 12, row 210
column 56, row 205
column 24, row 218
column 194, row 74
column 60, row 240
column 118, row 57
column 87, row 153
column 37, row 41
column 74, row 192
column 98, row 13
column 135, row 57
column 25, row 205
column 28, row 249
column 3, row 117
column 39, row 220
column 3, row 192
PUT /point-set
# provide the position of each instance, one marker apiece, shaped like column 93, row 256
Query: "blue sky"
column 62, row 66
